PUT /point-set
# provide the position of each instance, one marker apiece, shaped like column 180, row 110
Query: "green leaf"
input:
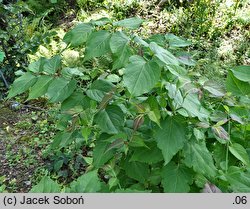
column 2, row 55
column 22, row 84
column 238, row 179
column 213, row 87
column 60, row 89
column 242, row 73
column 141, row 76
column 237, row 87
column 239, row 152
column 98, row 89
column 197, row 156
column 171, row 137
column 46, row 185
column 136, row 170
column 78, row 35
column 150, row 154
column 110, row 119
column 75, row 99
column 118, row 41
column 119, row 47
column 40, row 87
column 100, row 155
column 175, row 41
column 37, row 66
column 100, row 22
column 89, row 182
column 130, row 23
column 163, row 55
column 62, row 139
column 194, row 108
column 97, row 44
column 176, row 178
column 52, row 65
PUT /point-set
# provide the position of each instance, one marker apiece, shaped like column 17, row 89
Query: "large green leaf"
column 76, row 99
column 61, row 140
column 97, row 44
column 78, row 35
column 136, row 170
column 100, row 153
column 98, row 89
column 89, row 182
column 37, row 66
column 239, row 152
column 170, row 137
column 2, row 55
column 119, row 47
column 242, row 73
column 236, row 86
column 60, row 89
column 46, row 185
column 118, row 41
column 40, row 87
column 22, row 84
column 197, row 156
column 238, row 179
column 175, row 41
column 150, row 154
column 131, row 23
column 110, row 119
column 52, row 65
column 194, row 108
column 163, row 55
column 176, row 178
column 140, row 76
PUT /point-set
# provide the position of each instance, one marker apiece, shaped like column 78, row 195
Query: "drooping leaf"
column 78, row 35
column 236, row 86
column 150, row 154
column 242, row 73
column 60, row 89
column 52, row 65
column 46, row 185
column 163, row 55
column 170, row 137
column 197, row 156
column 22, row 84
column 89, row 182
column 141, row 76
column 98, row 89
column 176, row 178
column 40, row 87
column 110, row 119
column 239, row 152
column 136, row 170
column 97, row 44
column 131, row 23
